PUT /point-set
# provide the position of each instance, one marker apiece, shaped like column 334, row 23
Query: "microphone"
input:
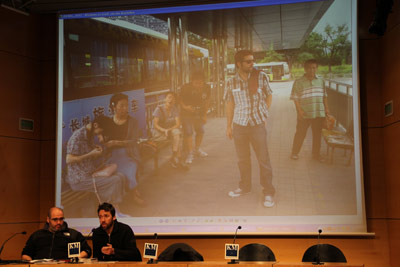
column 234, row 238
column 155, row 239
column 19, row 233
column 151, row 261
column 91, row 233
column 318, row 256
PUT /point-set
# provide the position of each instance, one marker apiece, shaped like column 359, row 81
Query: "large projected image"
column 117, row 70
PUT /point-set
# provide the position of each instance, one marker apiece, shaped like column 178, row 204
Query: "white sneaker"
column 189, row 158
column 269, row 201
column 174, row 162
column 237, row 193
column 200, row 153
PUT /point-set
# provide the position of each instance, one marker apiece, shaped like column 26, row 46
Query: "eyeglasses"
column 57, row 219
column 248, row 61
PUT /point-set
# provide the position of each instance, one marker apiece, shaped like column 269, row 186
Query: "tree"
column 271, row 55
column 332, row 47
column 336, row 43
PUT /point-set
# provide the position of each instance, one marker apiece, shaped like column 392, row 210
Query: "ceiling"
column 56, row 6
column 277, row 26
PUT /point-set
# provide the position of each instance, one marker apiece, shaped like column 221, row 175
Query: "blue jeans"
column 256, row 136
column 125, row 164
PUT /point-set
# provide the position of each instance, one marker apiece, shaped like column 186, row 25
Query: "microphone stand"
column 75, row 260
column 234, row 240
column 151, row 261
column 318, row 256
column 2, row 246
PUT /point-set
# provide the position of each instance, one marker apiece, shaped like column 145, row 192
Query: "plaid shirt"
column 248, row 110
column 310, row 95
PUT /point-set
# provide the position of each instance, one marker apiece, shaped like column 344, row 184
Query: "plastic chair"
column 326, row 252
column 180, row 252
column 256, row 252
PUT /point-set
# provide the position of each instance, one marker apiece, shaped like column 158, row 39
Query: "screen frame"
column 356, row 103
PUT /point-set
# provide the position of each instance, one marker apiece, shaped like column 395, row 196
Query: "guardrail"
column 340, row 87
column 340, row 101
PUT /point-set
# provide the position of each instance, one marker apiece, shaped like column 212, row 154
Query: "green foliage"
column 303, row 57
column 272, row 56
column 338, row 71
column 332, row 47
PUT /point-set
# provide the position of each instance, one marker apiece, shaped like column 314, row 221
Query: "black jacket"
column 44, row 244
column 123, row 241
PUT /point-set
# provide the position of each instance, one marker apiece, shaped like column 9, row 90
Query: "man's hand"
column 83, row 254
column 26, row 258
column 112, row 143
column 108, row 250
column 190, row 108
column 300, row 114
column 204, row 118
column 229, row 132
column 166, row 132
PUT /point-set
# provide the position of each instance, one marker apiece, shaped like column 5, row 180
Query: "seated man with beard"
column 112, row 240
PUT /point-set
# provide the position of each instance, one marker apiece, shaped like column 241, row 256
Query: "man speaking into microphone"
column 113, row 240
column 51, row 242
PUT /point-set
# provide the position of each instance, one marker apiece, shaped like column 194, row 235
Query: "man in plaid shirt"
column 248, row 97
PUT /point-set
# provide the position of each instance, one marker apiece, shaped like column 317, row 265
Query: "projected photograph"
column 146, row 96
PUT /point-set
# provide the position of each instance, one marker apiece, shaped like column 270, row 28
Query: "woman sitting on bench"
column 167, row 124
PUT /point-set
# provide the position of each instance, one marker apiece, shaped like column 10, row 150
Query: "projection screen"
column 143, row 54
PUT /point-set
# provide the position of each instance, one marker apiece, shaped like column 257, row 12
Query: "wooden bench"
column 337, row 139
column 150, row 149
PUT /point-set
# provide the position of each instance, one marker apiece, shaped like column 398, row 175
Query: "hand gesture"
column 97, row 151
column 300, row 114
column 111, row 144
column 229, row 132
column 190, row 109
column 107, row 250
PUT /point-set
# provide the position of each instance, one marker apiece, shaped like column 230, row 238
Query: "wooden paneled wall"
column 27, row 160
column 20, row 94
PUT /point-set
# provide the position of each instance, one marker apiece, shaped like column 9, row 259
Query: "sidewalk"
column 303, row 187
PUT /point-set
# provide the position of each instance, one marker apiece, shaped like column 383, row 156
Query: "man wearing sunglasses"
column 248, row 97
column 51, row 242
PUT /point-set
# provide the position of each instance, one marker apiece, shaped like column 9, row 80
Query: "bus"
column 277, row 71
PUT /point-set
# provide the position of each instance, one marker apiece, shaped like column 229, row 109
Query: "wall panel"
column 20, row 94
column 27, row 165
column 391, row 69
column 374, row 173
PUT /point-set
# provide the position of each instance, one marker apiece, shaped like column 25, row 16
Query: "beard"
column 107, row 226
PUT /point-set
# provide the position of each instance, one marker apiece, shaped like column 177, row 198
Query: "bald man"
column 51, row 242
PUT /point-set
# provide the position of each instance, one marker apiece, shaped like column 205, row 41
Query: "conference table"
column 196, row 264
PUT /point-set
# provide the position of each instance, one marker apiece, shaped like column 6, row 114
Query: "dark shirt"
column 197, row 98
column 44, row 244
column 122, row 240
column 118, row 132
